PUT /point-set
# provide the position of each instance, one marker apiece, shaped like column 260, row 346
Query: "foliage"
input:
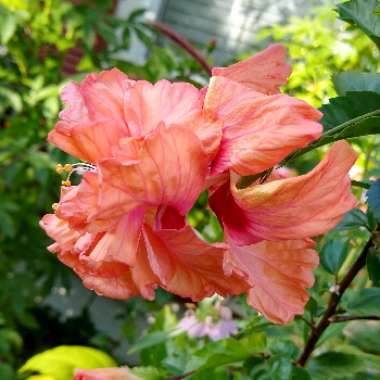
column 43, row 44
column 37, row 38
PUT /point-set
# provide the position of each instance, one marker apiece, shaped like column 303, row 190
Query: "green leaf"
column 231, row 350
column 365, row 302
column 354, row 115
column 373, row 267
column 363, row 14
column 352, row 220
column 149, row 373
column 364, row 334
column 6, row 372
column 133, row 16
column 333, row 254
column 355, row 81
column 60, row 362
column 8, row 25
column 149, row 340
column 373, row 195
column 299, row 373
column 331, row 365
column 341, row 109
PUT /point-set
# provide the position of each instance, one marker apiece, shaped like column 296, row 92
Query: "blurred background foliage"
column 43, row 44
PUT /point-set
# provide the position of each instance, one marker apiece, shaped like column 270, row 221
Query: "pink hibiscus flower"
column 153, row 149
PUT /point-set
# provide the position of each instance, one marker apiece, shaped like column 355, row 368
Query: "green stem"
column 323, row 140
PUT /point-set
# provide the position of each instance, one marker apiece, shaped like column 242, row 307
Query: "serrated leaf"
column 356, row 82
column 363, row 14
column 344, row 108
column 373, row 195
column 333, row 255
column 365, row 302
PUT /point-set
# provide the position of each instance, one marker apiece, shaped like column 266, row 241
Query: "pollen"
column 59, row 168
column 68, row 168
column 66, row 183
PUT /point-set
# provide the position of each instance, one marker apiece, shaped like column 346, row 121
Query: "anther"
column 59, row 168
column 54, row 206
column 68, row 168
column 66, row 183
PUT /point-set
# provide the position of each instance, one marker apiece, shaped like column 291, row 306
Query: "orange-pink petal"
column 122, row 373
column 278, row 274
column 170, row 169
column 264, row 72
column 260, row 131
column 93, row 119
column 188, row 266
column 292, row 208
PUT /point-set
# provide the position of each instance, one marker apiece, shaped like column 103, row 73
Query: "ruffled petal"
column 170, row 170
column 265, row 72
column 148, row 105
column 278, row 274
column 121, row 244
column 188, row 266
column 93, row 120
column 100, row 259
column 292, row 208
column 260, row 131
column 181, row 104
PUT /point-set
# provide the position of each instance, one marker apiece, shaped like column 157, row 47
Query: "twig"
column 335, row 297
column 346, row 318
column 183, row 43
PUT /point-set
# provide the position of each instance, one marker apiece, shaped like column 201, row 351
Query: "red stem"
column 183, row 43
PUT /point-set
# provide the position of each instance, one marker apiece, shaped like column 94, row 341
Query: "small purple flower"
column 215, row 330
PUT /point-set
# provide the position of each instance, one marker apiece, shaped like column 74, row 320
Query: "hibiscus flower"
column 152, row 149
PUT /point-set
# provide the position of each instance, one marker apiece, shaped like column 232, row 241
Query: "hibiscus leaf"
column 354, row 219
column 365, row 302
column 333, row 255
column 363, row 14
column 374, row 199
column 354, row 115
column 334, row 365
column 373, row 267
column 342, row 109
column 355, row 81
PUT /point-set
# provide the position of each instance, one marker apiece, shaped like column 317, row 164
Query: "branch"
column 346, row 318
column 183, row 43
column 335, row 297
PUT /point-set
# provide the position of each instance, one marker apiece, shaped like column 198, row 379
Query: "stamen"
column 79, row 168
column 67, row 182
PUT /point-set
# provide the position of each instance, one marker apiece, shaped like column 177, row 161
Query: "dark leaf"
column 344, row 108
column 373, row 267
column 356, row 81
column 352, row 220
column 363, row 14
column 333, row 254
column 374, row 199
column 365, row 302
